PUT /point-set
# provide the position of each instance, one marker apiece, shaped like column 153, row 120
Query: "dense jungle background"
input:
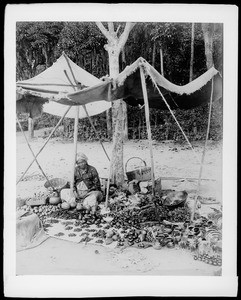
column 167, row 46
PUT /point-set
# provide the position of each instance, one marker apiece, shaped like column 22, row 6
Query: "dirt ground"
column 170, row 160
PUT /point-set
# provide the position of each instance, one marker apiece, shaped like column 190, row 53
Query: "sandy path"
column 63, row 257
column 60, row 257
column 56, row 161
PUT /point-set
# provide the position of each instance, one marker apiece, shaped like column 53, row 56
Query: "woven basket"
column 57, row 183
column 178, row 199
column 142, row 173
column 36, row 202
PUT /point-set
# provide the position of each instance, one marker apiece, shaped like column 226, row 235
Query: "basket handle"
column 132, row 158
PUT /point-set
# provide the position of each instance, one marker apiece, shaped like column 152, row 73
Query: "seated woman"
column 87, row 187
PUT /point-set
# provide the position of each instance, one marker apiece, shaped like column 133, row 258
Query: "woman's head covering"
column 80, row 157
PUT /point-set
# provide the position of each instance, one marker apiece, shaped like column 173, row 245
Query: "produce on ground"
column 146, row 223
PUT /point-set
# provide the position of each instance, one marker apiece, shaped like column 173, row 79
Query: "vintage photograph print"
column 120, row 144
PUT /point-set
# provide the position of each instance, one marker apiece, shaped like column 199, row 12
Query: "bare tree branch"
column 111, row 27
column 123, row 38
column 118, row 29
column 105, row 31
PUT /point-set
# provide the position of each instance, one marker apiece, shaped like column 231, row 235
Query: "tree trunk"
column 208, row 30
column 161, row 61
column 46, row 57
column 108, row 123
column 117, row 168
column 154, row 54
column 192, row 54
column 30, row 128
column 123, row 58
column 125, row 120
column 113, row 47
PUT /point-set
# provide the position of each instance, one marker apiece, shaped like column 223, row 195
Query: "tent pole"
column 147, row 114
column 108, row 188
column 76, row 121
column 19, row 124
column 203, row 154
column 173, row 115
column 91, row 123
column 53, row 131
column 110, row 165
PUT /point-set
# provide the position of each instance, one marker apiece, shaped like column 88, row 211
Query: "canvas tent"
column 141, row 84
column 55, row 81
column 127, row 86
column 63, row 77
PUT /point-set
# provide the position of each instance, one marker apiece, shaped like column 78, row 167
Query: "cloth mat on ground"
column 70, row 230
column 29, row 231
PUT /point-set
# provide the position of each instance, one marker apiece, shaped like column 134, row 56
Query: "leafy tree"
column 84, row 44
column 38, row 44
column 115, row 42
column 35, row 46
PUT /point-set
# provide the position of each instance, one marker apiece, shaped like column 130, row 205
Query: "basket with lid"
column 140, row 173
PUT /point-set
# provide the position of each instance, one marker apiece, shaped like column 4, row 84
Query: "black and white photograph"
column 120, row 150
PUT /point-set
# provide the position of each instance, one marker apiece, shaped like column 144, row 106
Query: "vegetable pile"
column 147, row 223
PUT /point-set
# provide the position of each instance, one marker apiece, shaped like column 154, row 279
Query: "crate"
column 141, row 173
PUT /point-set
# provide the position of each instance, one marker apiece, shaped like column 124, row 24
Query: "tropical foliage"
column 39, row 44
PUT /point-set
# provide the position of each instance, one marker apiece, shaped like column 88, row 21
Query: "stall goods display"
column 215, row 260
column 43, row 211
column 135, row 217
column 147, row 224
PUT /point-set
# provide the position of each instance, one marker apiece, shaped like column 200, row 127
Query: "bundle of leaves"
column 180, row 214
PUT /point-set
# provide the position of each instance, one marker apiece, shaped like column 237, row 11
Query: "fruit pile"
column 64, row 214
column 135, row 217
column 215, row 260
column 43, row 211
column 37, row 177
column 180, row 214
column 125, row 219
column 147, row 224
column 100, row 233
column 130, row 237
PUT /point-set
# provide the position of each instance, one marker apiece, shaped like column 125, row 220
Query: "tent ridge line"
column 188, row 88
column 178, row 124
column 128, row 71
column 40, row 84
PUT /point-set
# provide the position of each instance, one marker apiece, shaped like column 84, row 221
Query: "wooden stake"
column 19, row 124
column 30, row 128
column 147, row 114
column 192, row 53
column 203, row 154
column 110, row 171
column 161, row 59
column 76, row 121
column 53, row 131
column 108, row 188
column 91, row 123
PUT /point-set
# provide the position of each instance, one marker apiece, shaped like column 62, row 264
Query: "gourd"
column 157, row 246
column 73, row 204
column 54, row 199
column 65, row 205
